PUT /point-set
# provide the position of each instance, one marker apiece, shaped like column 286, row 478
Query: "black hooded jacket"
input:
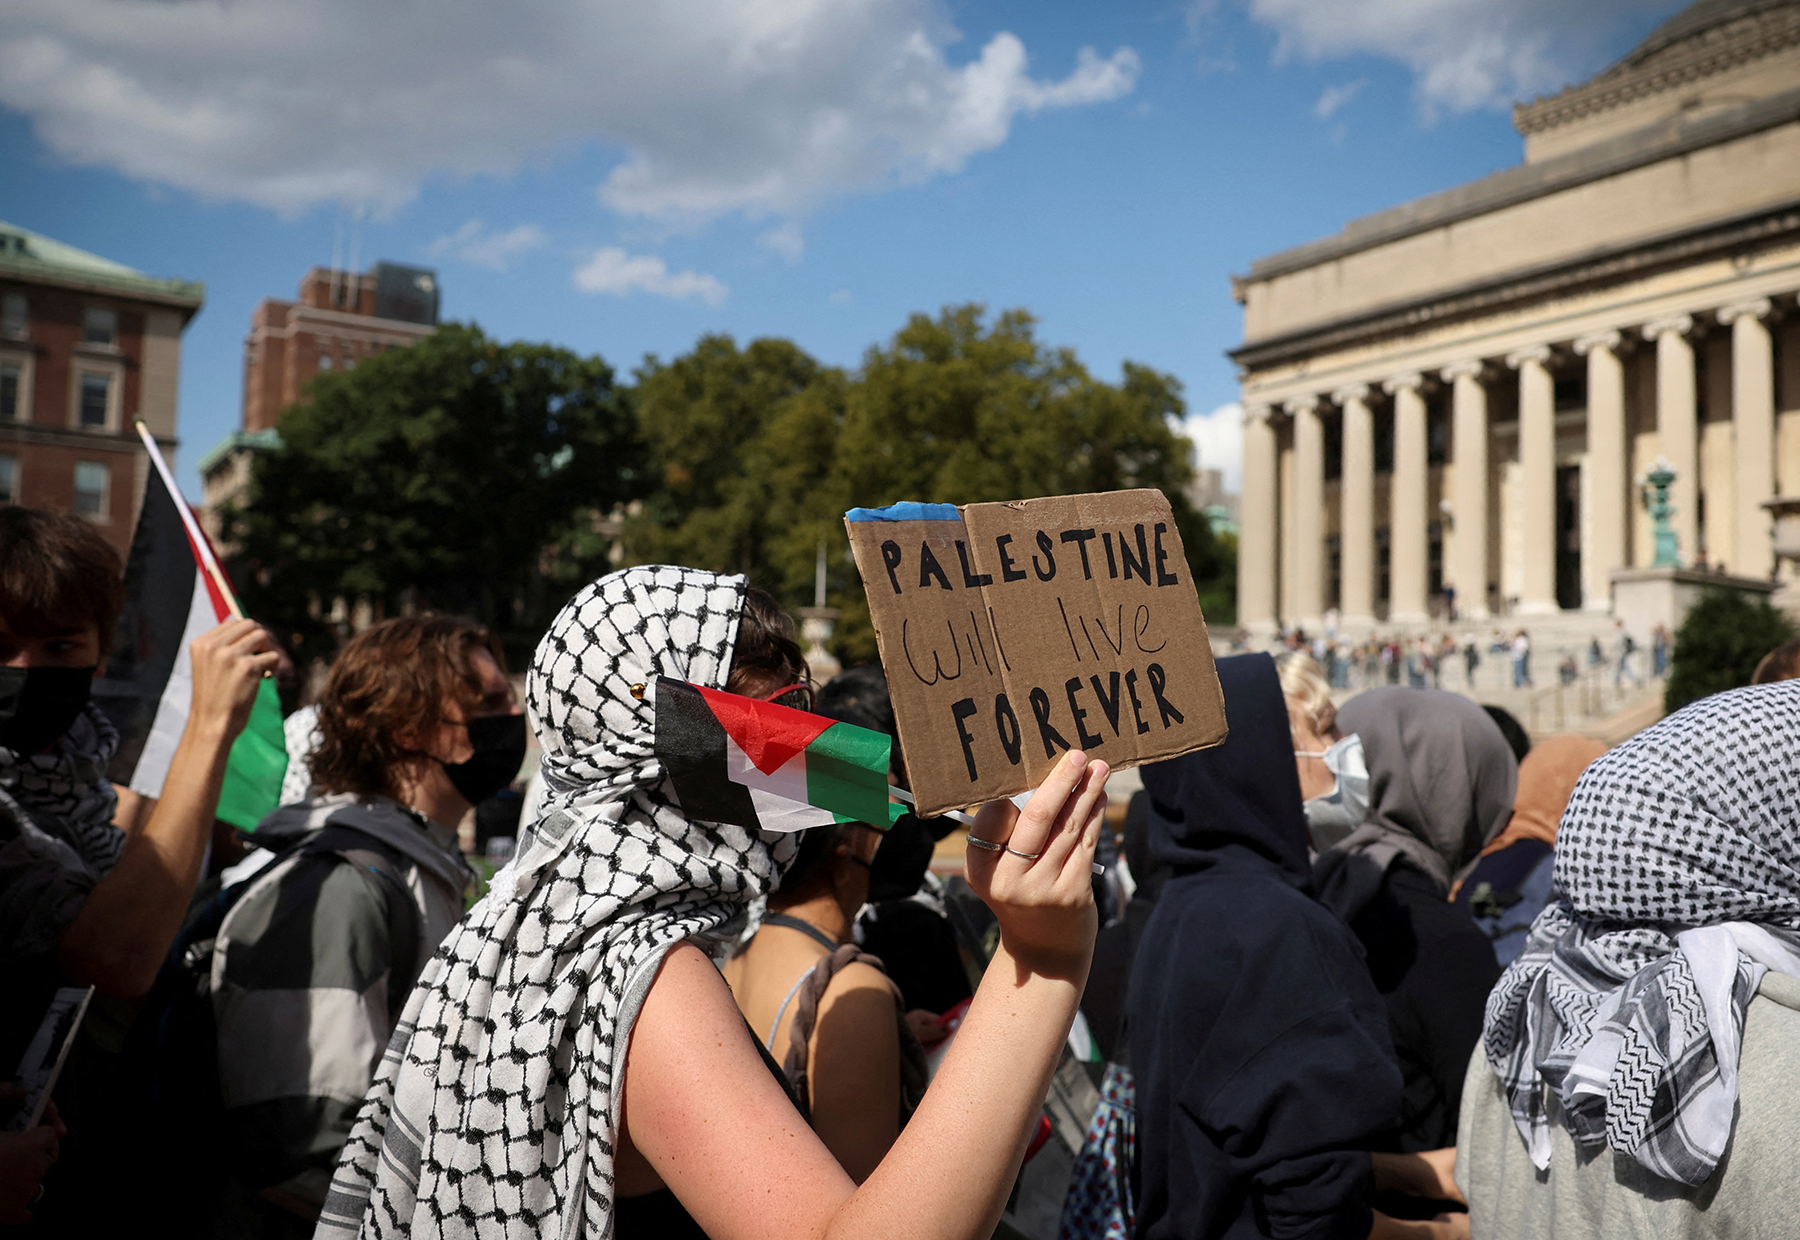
column 1264, row 1069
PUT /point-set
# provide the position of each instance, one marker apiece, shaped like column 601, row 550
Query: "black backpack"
column 172, row 1051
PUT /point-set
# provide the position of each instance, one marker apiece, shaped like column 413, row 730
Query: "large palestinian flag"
column 766, row 767
column 175, row 591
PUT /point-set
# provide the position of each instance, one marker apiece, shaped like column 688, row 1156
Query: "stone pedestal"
column 816, row 626
column 1784, row 510
column 1646, row 597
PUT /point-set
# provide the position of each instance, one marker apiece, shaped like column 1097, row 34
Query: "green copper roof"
column 255, row 441
column 32, row 255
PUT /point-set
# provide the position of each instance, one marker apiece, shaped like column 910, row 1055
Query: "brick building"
column 87, row 345
column 339, row 318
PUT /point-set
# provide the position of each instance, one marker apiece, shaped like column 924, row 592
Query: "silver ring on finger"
column 989, row 845
column 1028, row 856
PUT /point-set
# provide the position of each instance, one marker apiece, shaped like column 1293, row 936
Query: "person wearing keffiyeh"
column 82, row 903
column 500, row 1109
column 1641, row 1055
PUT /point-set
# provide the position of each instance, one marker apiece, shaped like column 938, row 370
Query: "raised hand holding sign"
column 1012, row 633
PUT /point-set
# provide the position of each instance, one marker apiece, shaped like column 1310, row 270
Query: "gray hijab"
column 1441, row 784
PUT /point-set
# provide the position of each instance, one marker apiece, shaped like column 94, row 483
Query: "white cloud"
column 474, row 245
column 839, row 297
column 1334, row 97
column 1464, row 54
column 611, row 270
column 785, row 240
column 765, row 107
column 1218, row 439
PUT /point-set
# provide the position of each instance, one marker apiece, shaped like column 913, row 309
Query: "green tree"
column 1719, row 645
column 761, row 450
column 731, row 432
column 955, row 410
column 460, row 473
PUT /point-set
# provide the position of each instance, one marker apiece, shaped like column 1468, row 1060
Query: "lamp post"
column 1655, row 490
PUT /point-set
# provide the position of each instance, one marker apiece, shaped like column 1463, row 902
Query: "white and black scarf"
column 65, row 793
column 495, row 1110
column 1677, row 889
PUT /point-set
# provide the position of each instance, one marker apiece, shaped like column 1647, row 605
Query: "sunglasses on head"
column 798, row 697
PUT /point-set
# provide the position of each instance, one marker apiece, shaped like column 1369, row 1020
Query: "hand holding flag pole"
column 175, row 591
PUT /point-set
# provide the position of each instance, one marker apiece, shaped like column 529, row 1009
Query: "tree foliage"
column 460, row 474
column 472, row 476
column 1719, row 645
column 761, row 450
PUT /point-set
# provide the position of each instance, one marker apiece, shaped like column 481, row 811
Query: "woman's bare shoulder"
column 861, row 976
column 862, row 1001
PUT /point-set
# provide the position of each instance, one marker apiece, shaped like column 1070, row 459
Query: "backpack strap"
column 366, row 852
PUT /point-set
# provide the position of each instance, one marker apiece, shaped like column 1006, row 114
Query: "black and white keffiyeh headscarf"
column 65, row 793
column 1678, row 888
column 495, row 1109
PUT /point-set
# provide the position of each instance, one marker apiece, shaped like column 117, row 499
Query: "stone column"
column 1753, row 432
column 1356, row 528
column 1537, row 472
column 1469, row 495
column 1309, row 515
column 1677, row 427
column 1408, row 537
column 1607, row 473
column 1259, row 532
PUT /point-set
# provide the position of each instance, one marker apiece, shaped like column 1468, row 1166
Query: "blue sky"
column 621, row 177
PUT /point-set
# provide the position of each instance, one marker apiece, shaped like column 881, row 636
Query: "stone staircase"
column 1598, row 702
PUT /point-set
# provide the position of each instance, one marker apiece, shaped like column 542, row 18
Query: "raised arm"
column 119, row 938
column 704, row 1112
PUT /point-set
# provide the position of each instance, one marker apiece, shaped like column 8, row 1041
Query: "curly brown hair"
column 388, row 681
column 766, row 657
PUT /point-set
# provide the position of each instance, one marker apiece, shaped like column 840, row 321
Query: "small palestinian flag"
column 766, row 767
column 175, row 591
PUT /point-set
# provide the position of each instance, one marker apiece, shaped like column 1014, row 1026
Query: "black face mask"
column 499, row 742
column 39, row 704
column 901, row 861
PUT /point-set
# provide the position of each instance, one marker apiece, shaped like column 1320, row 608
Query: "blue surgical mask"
column 1335, row 814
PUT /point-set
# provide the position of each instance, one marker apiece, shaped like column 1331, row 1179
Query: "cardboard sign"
column 1012, row 633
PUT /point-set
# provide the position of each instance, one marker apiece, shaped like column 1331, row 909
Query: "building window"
column 324, row 361
column 9, row 479
column 11, row 380
column 96, row 396
column 1570, row 392
column 1437, row 429
column 13, row 311
column 100, row 325
column 91, row 480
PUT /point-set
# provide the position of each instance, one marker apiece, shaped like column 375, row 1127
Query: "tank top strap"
column 804, row 927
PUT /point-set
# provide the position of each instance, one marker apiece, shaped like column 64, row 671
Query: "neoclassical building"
column 1461, row 394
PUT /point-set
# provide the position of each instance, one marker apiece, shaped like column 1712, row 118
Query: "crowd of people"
column 1432, row 661
column 1375, row 967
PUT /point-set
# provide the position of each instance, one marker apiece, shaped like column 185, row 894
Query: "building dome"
column 1712, row 55
column 1698, row 23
